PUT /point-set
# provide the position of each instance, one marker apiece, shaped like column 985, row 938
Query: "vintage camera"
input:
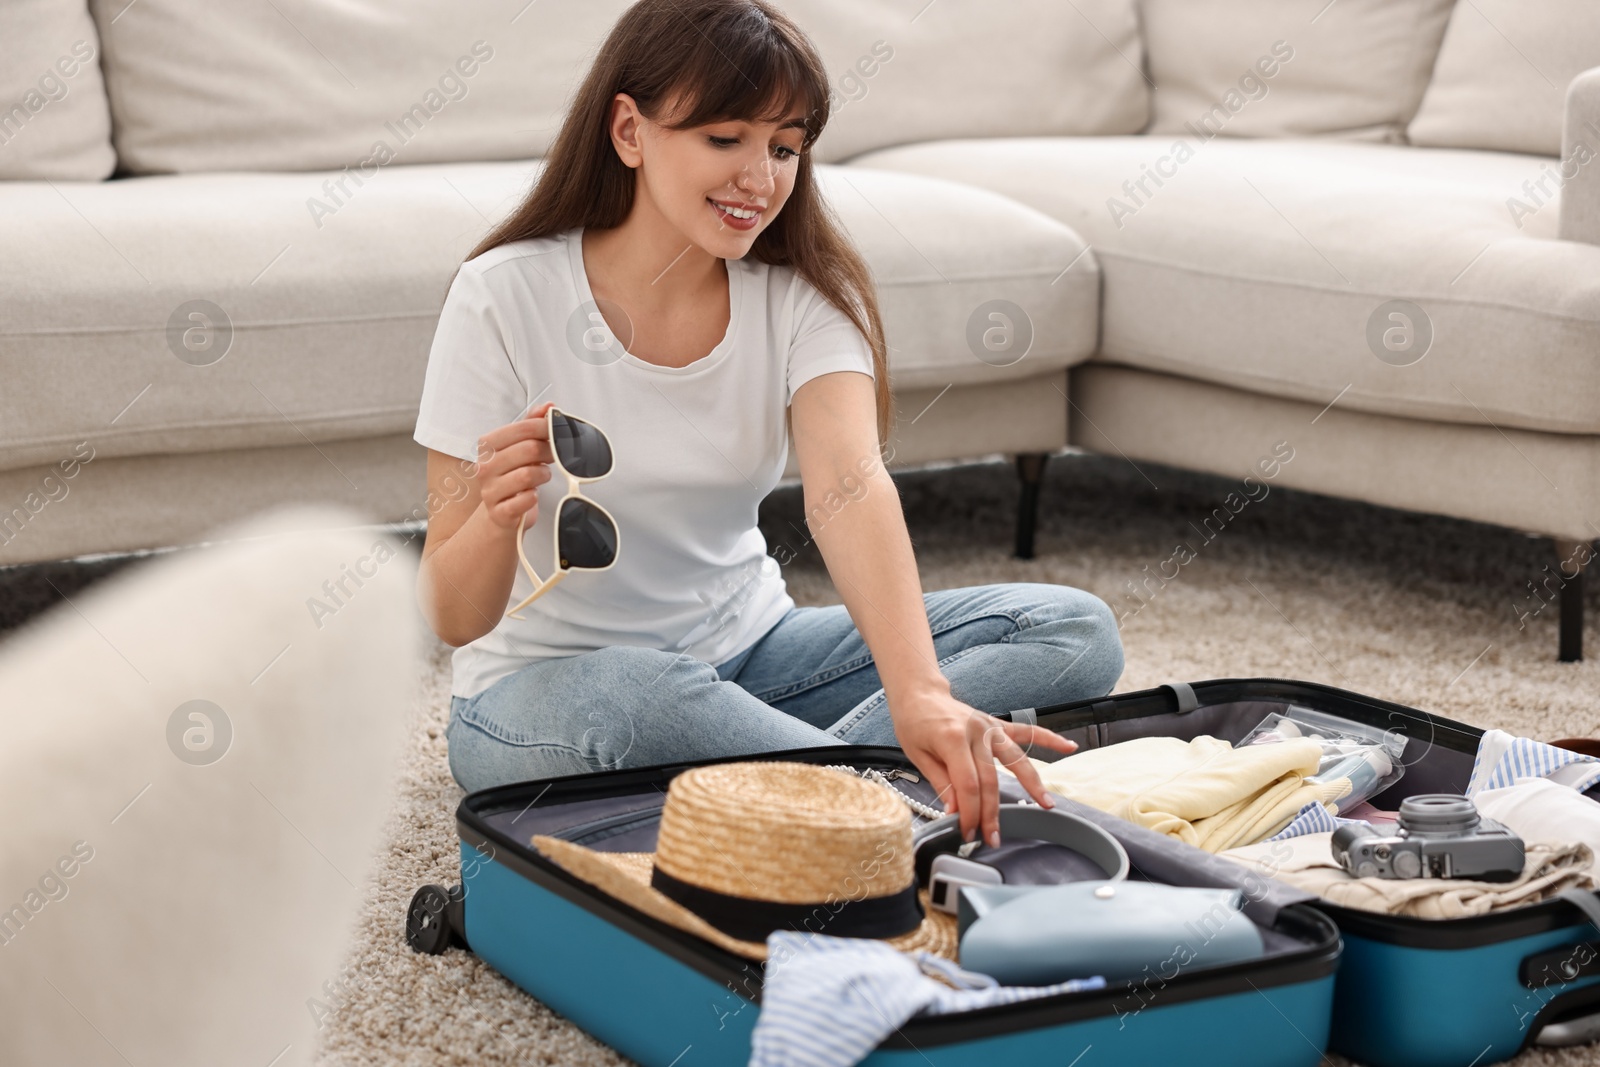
column 1441, row 835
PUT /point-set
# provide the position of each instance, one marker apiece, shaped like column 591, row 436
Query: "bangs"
column 752, row 73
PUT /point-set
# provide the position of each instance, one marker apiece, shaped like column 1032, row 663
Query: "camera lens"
column 1438, row 814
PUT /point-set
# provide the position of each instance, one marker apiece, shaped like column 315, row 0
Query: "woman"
column 677, row 220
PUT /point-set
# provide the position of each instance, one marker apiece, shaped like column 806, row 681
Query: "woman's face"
column 699, row 179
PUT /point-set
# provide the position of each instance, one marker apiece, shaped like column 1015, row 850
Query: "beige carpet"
column 1410, row 608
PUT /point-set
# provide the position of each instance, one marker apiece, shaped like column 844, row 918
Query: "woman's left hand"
column 955, row 745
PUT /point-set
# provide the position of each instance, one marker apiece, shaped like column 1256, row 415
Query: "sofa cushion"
column 214, row 311
column 1291, row 68
column 1580, row 187
column 1268, row 265
column 1027, row 67
column 297, row 85
column 1503, row 73
column 54, row 121
column 948, row 258
column 182, row 313
column 305, row 84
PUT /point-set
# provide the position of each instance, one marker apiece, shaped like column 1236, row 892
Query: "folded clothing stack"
column 1307, row 863
column 1528, row 786
column 1204, row 792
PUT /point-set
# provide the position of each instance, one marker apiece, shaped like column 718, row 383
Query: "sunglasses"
column 585, row 533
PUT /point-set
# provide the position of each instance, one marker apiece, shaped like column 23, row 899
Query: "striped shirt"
column 829, row 1001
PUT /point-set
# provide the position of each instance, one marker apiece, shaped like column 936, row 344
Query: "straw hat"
column 749, row 847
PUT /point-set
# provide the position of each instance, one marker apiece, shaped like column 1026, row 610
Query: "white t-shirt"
column 696, row 449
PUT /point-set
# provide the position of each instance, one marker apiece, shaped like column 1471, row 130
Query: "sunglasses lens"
column 582, row 449
column 587, row 537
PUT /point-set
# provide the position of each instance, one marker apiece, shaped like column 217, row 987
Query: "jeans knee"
column 1087, row 629
column 1106, row 658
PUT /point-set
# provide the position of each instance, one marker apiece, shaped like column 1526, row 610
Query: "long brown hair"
column 733, row 60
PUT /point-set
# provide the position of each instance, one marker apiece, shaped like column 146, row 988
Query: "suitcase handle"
column 1562, row 965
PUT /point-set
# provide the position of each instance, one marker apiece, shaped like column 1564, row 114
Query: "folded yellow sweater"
column 1204, row 792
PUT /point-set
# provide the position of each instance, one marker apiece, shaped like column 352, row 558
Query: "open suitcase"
column 1410, row 992
column 665, row 997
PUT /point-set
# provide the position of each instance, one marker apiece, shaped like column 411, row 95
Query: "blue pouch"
column 1036, row 935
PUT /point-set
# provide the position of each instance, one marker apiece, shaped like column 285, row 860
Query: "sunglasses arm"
column 540, row 586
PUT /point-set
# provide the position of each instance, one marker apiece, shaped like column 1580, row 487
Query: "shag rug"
column 1430, row 612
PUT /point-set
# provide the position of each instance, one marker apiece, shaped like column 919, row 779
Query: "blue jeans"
column 810, row 680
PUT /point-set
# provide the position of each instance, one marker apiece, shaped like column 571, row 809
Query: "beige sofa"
column 1201, row 215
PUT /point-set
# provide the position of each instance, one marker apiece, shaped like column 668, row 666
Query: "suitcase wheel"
column 434, row 919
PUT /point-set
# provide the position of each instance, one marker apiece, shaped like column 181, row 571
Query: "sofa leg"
column 1573, row 556
column 1030, row 469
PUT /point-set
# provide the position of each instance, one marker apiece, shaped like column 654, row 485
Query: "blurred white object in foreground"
column 196, row 759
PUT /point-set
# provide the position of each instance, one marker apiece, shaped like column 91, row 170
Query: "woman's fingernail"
column 994, row 838
column 1048, row 801
column 969, row 834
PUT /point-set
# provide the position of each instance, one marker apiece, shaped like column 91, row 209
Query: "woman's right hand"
column 513, row 461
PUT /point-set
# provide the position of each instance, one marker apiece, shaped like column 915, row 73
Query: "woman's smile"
column 738, row 218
